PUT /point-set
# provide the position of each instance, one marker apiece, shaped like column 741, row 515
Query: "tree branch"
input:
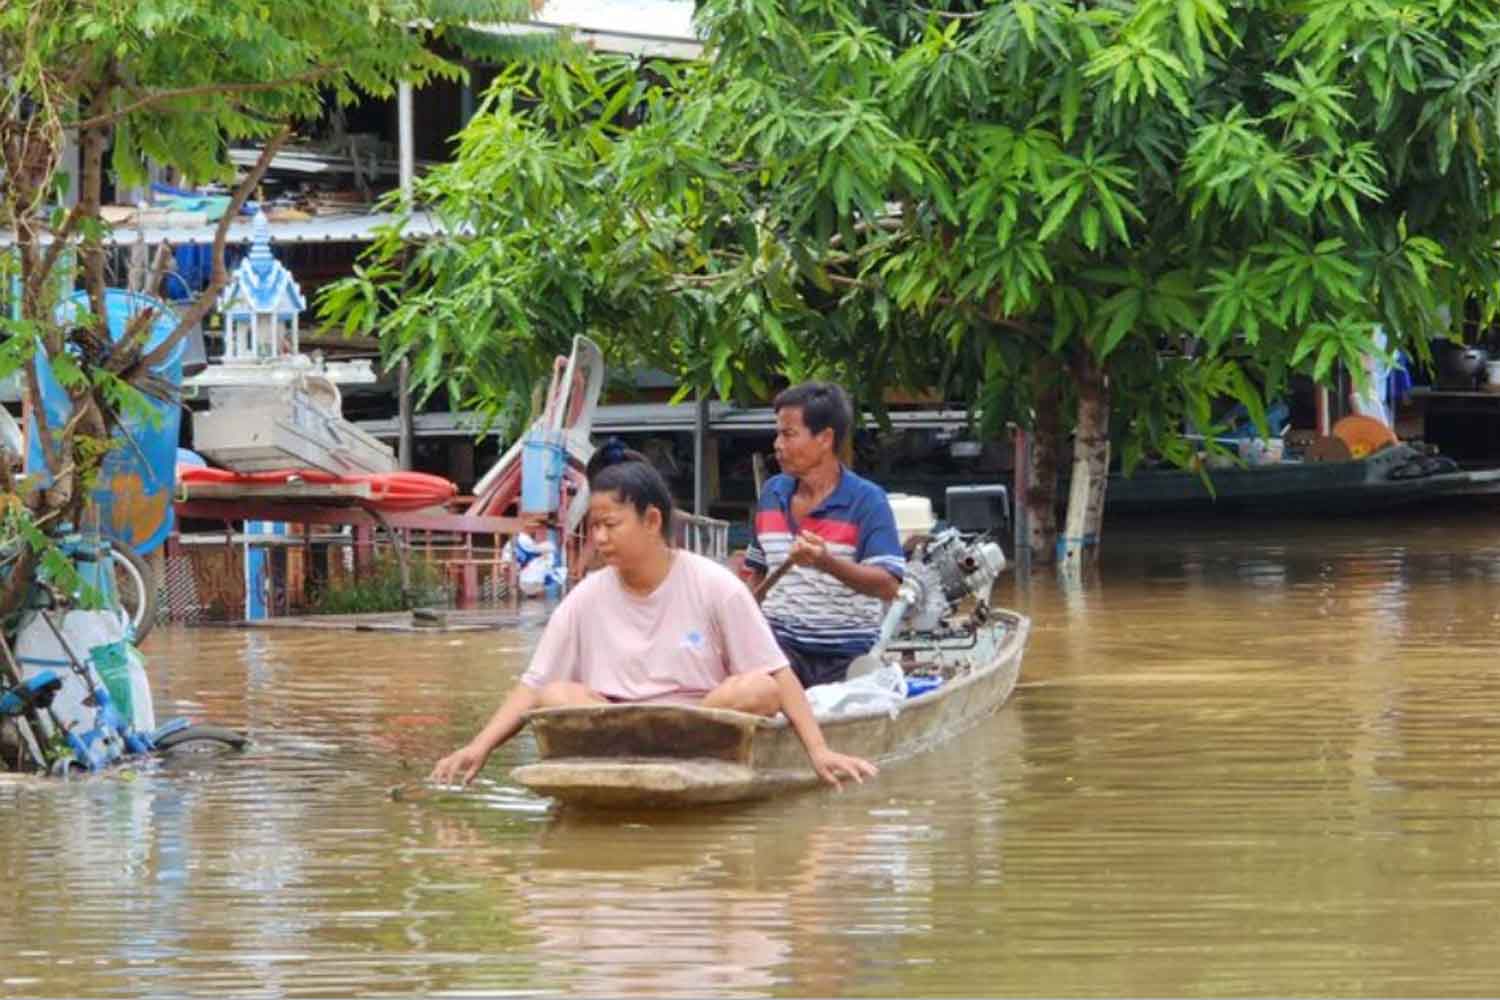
column 127, row 348
column 159, row 265
column 89, row 194
column 60, row 239
column 39, row 413
column 1004, row 322
column 147, row 100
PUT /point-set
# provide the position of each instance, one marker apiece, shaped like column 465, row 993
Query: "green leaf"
column 1072, row 100
column 1059, row 213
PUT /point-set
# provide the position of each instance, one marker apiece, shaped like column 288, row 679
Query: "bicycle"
column 103, row 735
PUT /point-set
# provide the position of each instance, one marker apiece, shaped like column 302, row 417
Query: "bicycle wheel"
column 218, row 735
column 135, row 585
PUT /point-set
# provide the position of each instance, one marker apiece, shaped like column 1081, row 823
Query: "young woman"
column 656, row 624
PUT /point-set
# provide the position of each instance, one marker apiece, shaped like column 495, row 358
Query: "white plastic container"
column 93, row 635
column 913, row 515
column 1492, row 373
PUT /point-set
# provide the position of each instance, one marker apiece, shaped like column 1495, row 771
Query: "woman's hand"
column 460, row 766
column 834, row 767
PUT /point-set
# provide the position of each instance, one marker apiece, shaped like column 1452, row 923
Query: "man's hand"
column 834, row 767
column 809, row 550
column 460, row 766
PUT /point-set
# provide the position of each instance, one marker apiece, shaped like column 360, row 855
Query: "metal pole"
column 405, row 139
column 465, row 104
column 700, row 449
column 406, row 444
column 408, row 168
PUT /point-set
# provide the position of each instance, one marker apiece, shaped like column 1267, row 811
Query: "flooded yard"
column 1252, row 758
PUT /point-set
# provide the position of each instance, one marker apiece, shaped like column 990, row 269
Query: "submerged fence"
column 201, row 578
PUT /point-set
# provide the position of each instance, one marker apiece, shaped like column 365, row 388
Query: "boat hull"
column 657, row 755
column 1294, row 488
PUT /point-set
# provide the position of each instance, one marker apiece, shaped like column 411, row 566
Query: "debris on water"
column 428, row 618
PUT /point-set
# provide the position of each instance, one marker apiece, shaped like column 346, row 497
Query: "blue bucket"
column 543, row 458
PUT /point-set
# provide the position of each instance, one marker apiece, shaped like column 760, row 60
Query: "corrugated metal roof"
column 660, row 28
column 352, row 228
column 661, row 417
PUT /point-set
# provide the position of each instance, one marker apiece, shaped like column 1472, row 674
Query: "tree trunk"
column 1041, row 500
column 1085, row 518
column 93, row 145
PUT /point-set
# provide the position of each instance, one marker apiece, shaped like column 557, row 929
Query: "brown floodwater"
column 1249, row 758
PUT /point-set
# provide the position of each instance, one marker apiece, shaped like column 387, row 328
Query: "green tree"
column 172, row 82
column 1088, row 217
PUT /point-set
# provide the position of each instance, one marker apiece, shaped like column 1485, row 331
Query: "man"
column 837, row 531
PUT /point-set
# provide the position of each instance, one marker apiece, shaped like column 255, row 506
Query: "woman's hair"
column 625, row 473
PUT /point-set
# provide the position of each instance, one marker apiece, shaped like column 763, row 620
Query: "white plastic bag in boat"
column 881, row 691
column 103, row 638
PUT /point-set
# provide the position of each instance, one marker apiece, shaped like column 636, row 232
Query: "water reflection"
column 1245, row 758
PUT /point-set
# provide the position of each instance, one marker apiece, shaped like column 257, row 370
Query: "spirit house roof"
column 261, row 285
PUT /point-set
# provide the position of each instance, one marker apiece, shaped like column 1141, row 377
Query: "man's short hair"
column 823, row 405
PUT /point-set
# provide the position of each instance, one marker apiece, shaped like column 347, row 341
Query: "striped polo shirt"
column 809, row 609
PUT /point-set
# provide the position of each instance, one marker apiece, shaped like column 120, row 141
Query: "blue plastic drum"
column 134, row 493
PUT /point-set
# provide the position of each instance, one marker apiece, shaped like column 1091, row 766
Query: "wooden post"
column 1020, row 503
column 307, row 565
column 461, row 461
column 364, row 548
column 1041, row 468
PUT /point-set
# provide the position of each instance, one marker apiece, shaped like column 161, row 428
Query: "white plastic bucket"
column 913, row 515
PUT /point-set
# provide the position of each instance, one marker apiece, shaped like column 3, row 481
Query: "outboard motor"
column 964, row 569
column 942, row 572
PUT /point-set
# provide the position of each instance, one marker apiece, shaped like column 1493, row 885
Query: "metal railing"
column 707, row 536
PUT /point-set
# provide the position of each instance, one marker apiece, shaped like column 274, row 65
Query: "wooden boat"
column 1371, row 483
column 621, row 756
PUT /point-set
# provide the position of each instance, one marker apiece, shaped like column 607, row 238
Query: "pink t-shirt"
column 677, row 644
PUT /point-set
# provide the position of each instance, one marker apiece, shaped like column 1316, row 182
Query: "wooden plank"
column 261, row 510
column 275, row 491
